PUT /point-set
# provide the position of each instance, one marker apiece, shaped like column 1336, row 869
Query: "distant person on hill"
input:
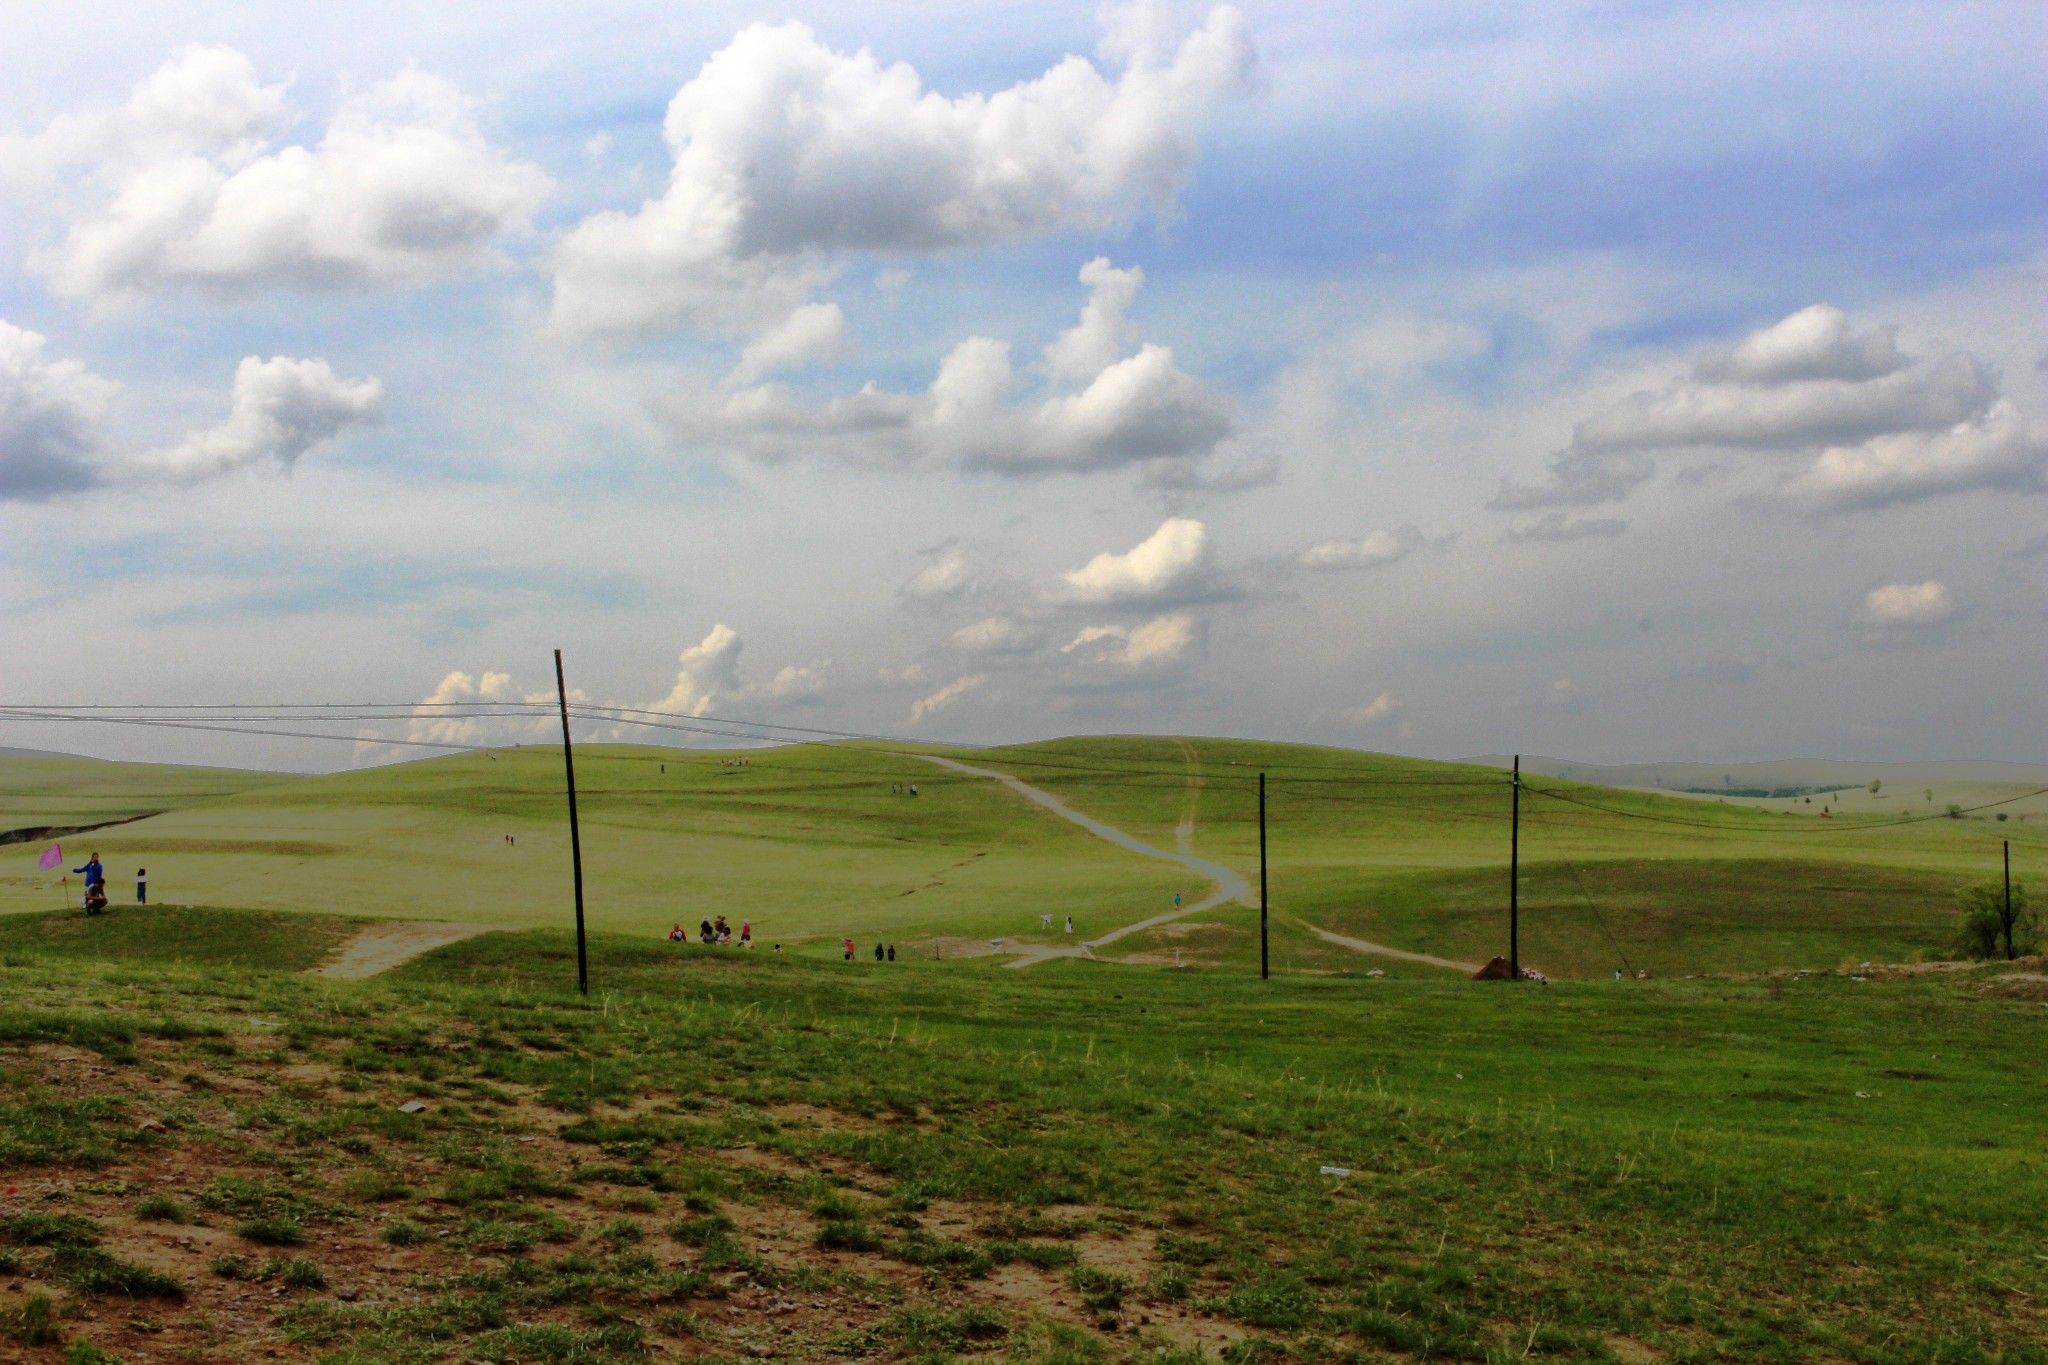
column 676, row 934
column 878, row 952
column 723, row 930
column 1045, row 921
column 892, row 952
column 846, row 947
column 142, row 886
column 1070, row 924
column 1176, row 900
column 913, row 789
column 704, row 930
column 746, row 933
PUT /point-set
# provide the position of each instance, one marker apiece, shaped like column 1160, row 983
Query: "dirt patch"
column 381, row 947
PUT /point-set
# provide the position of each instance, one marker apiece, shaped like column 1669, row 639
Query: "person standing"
column 878, row 952
column 142, row 886
column 846, row 947
column 892, row 952
column 95, row 875
column 1070, row 924
column 1045, row 921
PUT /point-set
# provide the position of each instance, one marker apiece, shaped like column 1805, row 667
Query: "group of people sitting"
column 715, row 932
column 847, row 949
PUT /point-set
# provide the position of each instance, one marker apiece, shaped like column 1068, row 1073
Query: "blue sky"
column 1627, row 381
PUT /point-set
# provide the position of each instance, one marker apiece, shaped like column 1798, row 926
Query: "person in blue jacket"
column 95, row 875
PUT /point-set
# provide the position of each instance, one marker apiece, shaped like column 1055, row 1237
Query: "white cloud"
column 55, row 437
column 787, row 153
column 998, row 635
column 1366, row 552
column 1814, row 343
column 1793, row 414
column 1170, row 562
column 704, row 670
column 1102, row 335
column 1998, row 450
column 1884, row 427
column 1373, row 712
column 946, row 576
column 438, row 719
column 52, row 420
column 1163, row 640
column 280, row 409
column 1560, row 526
column 792, row 683
column 182, row 185
column 1905, row 605
column 946, row 696
column 813, row 332
column 1138, row 408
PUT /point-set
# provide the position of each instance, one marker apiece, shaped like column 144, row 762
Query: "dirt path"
column 381, row 947
column 1371, row 949
column 1229, row 885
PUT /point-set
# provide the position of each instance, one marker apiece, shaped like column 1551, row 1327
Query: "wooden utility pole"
column 1515, row 879
column 1265, row 969
column 2008, row 898
column 575, row 835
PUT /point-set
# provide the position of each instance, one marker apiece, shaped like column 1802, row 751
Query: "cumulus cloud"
column 1171, row 562
column 1132, row 409
column 946, row 696
column 1163, row 640
column 55, row 436
column 946, row 576
column 184, row 184
column 1999, row 449
column 1814, row 343
column 998, row 635
column 1560, row 526
column 704, row 670
column 52, row 420
column 810, row 333
column 442, row 719
column 788, row 153
column 1882, row 426
column 1908, row 605
column 1366, row 552
column 280, row 409
column 1380, row 708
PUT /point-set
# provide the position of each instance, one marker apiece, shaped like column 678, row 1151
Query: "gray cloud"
column 52, row 420
column 1560, row 526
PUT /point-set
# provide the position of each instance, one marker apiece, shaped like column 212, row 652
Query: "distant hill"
column 1789, row 774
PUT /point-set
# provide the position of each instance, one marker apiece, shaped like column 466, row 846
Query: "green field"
column 811, row 844
column 733, row 1157
column 38, row 791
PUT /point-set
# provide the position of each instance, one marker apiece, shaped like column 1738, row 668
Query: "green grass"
column 1781, row 1169
column 809, row 844
column 40, row 790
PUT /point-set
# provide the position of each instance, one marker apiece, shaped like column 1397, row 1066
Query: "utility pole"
column 575, row 835
column 2007, row 843
column 1265, row 968
column 1515, row 879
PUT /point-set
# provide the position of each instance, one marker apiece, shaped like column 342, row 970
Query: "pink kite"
column 53, row 858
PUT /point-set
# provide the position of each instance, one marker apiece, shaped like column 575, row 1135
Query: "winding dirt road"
column 1230, row 886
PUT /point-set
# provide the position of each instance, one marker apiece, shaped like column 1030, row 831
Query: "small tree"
column 1984, row 931
column 1955, row 810
column 1929, row 794
column 1876, row 785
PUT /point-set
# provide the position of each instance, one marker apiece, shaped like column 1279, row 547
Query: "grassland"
column 811, row 843
column 39, row 790
column 731, row 1156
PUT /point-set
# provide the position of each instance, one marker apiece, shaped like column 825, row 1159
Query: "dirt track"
column 381, row 947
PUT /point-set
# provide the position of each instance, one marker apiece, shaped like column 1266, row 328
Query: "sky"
column 1620, row 381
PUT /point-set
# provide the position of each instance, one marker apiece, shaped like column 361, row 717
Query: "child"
column 846, row 947
column 892, row 952
column 746, row 933
column 675, row 935
column 142, row 886
column 878, row 952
